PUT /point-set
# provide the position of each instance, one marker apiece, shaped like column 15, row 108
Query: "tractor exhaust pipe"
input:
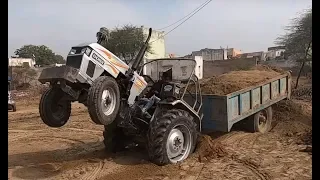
column 141, row 53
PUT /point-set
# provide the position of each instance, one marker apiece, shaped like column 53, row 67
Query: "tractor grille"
column 90, row 69
column 74, row 61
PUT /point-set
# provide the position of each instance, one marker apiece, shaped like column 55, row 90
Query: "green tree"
column 42, row 54
column 124, row 42
column 298, row 40
column 59, row 59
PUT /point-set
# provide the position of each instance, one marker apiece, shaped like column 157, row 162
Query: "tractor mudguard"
column 184, row 106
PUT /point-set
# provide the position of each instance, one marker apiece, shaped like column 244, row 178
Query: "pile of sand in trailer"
column 237, row 80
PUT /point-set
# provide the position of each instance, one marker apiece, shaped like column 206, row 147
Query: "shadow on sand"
column 46, row 164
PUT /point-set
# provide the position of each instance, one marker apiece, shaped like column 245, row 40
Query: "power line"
column 183, row 17
column 183, row 21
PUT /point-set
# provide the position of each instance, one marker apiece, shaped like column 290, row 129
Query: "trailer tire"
column 261, row 121
column 165, row 130
column 54, row 111
column 103, row 100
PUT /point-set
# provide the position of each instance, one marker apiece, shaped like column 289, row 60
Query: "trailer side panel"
column 222, row 112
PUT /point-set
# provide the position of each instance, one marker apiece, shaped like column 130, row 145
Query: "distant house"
column 259, row 56
column 232, row 53
column 21, row 62
column 276, row 52
column 158, row 43
column 211, row 54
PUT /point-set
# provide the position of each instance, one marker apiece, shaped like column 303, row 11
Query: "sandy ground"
column 75, row 151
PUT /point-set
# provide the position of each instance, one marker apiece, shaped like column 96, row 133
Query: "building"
column 259, row 56
column 199, row 67
column 157, row 46
column 211, row 54
column 22, row 62
column 232, row 53
column 276, row 52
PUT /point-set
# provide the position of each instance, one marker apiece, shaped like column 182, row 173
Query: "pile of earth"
column 293, row 110
column 294, row 120
column 209, row 148
column 237, row 80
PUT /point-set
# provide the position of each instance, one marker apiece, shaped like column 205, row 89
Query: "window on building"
column 183, row 70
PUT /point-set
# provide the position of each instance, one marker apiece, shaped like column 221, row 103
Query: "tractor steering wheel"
column 148, row 80
column 150, row 83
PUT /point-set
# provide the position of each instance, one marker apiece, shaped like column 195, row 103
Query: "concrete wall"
column 291, row 65
column 199, row 67
column 215, row 68
column 180, row 69
column 281, row 63
column 21, row 61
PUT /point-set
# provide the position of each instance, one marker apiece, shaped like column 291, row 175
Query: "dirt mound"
column 302, row 93
column 207, row 148
column 235, row 80
column 292, row 110
column 294, row 119
column 306, row 138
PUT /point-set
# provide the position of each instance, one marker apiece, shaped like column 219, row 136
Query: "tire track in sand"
column 94, row 174
column 260, row 174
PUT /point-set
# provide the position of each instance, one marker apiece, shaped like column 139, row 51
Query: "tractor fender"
column 184, row 106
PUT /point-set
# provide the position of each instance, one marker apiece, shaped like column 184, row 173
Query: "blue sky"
column 249, row 25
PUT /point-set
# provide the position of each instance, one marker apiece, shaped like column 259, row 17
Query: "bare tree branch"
column 298, row 39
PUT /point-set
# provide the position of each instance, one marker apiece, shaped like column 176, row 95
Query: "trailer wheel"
column 103, row 100
column 54, row 110
column 261, row 121
column 172, row 137
column 114, row 139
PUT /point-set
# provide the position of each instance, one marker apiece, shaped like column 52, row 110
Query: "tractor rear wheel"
column 103, row 100
column 172, row 137
column 54, row 109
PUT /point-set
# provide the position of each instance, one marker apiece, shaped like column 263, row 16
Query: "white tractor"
column 93, row 76
column 112, row 92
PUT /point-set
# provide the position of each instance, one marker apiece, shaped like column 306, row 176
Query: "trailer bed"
column 220, row 113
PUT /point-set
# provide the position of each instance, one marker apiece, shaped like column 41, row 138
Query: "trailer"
column 252, row 104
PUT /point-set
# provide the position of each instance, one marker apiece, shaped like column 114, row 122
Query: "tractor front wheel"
column 54, row 109
column 103, row 100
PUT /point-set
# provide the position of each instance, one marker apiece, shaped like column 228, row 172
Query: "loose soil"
column 76, row 151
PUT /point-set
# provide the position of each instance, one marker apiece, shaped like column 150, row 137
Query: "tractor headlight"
column 86, row 51
column 72, row 51
column 83, row 50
